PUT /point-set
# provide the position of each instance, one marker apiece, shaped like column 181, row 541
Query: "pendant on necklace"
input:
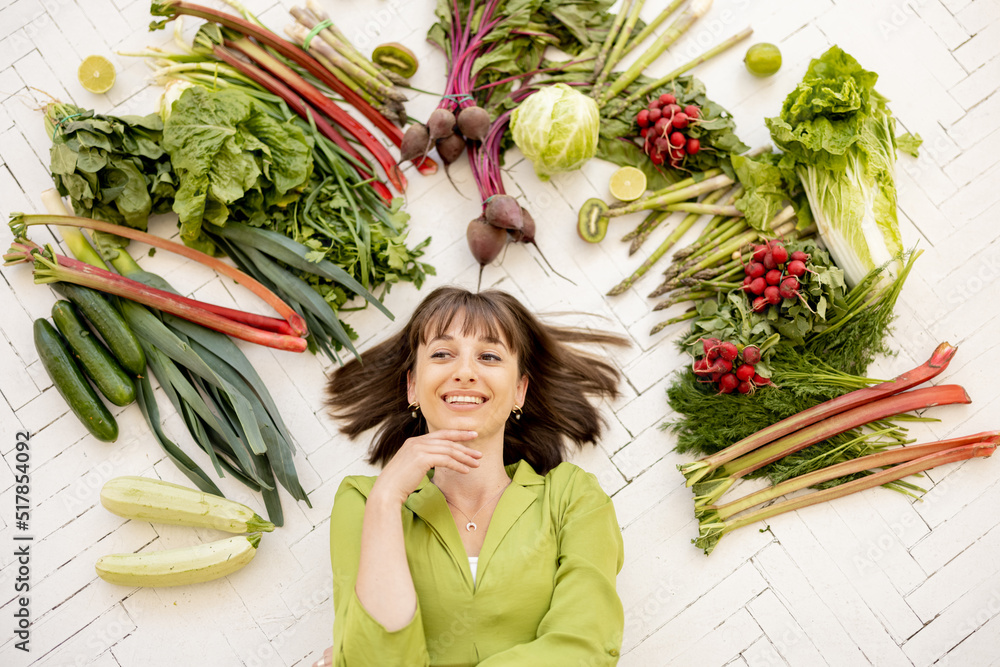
column 470, row 526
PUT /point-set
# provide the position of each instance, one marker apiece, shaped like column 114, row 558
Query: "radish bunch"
column 662, row 125
column 773, row 274
column 729, row 366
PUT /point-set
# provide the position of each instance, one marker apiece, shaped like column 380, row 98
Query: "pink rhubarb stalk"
column 295, row 321
column 697, row 470
column 59, row 268
column 872, row 461
column 710, row 532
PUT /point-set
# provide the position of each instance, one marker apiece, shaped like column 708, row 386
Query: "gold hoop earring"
column 414, row 409
column 517, row 412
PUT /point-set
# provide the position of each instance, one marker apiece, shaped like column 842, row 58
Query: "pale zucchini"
column 162, row 502
column 178, row 567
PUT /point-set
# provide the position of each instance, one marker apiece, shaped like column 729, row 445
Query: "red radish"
column 642, row 118
column 671, row 110
column 758, row 253
column 654, row 115
column 769, row 262
column 800, row 256
column 751, row 354
column 662, row 144
column 759, row 304
column 656, row 157
column 693, row 146
column 760, row 380
column 692, row 111
column 755, row 269
column 727, row 383
column 680, row 120
column 728, row 351
column 789, row 287
column 746, row 284
column 643, row 132
column 772, row 294
column 677, row 153
column 662, row 126
column 758, row 285
column 780, row 254
column 701, row 367
column 485, row 240
column 677, row 139
column 796, row 268
column 710, row 347
column 667, row 98
column 655, row 104
column 744, row 387
column 745, row 372
column 773, row 277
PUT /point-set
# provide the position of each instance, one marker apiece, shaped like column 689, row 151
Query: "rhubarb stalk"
column 708, row 491
column 52, row 267
column 710, row 532
column 19, row 222
column 696, row 470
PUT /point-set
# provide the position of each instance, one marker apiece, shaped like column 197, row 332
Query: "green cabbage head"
column 556, row 128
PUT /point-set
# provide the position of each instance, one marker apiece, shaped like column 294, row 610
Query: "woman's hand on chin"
column 442, row 448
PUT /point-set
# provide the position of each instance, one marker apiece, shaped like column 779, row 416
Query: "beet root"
column 503, row 211
column 485, row 241
column 527, row 232
column 414, row 144
column 451, row 148
column 441, row 124
column 474, row 123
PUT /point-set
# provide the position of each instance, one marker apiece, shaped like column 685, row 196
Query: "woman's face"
column 466, row 382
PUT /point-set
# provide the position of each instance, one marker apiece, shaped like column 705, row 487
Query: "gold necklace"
column 471, row 526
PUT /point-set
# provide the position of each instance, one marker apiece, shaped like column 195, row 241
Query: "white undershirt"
column 473, row 564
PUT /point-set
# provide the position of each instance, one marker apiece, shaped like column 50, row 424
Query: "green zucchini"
column 71, row 383
column 180, row 566
column 97, row 362
column 109, row 323
column 150, row 499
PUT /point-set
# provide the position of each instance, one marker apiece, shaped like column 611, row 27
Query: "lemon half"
column 96, row 74
column 628, row 184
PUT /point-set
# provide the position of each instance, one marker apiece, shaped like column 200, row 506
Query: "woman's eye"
column 440, row 354
column 489, row 356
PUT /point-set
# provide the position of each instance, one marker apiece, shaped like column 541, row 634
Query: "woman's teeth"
column 465, row 399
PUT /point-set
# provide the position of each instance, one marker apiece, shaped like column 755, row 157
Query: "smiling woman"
column 477, row 543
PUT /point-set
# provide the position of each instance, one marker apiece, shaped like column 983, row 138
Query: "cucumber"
column 177, row 567
column 109, row 323
column 162, row 502
column 71, row 383
column 97, row 362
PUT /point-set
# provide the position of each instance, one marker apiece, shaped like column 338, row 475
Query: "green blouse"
column 545, row 584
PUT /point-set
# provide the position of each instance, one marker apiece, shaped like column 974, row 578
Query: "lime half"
column 96, row 74
column 763, row 59
column 628, row 184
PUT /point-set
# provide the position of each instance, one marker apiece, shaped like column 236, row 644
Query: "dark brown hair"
column 561, row 378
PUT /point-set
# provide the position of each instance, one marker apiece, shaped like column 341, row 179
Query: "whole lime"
column 763, row 59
